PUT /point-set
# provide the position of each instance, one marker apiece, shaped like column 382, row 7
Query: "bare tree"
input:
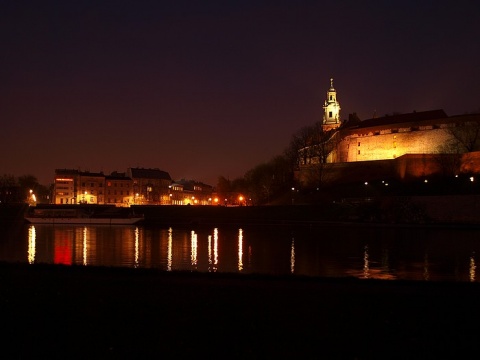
column 321, row 144
column 466, row 136
column 260, row 180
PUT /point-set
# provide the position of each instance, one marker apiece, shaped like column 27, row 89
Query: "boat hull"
column 85, row 221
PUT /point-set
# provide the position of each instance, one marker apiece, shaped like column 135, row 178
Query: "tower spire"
column 331, row 116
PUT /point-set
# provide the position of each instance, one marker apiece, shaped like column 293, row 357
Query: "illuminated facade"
column 150, row 186
column 91, row 188
column 138, row 186
column 331, row 108
column 118, row 190
column 193, row 192
column 390, row 137
column 417, row 138
column 78, row 187
column 64, row 186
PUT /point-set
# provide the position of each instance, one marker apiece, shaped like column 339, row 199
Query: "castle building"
column 412, row 143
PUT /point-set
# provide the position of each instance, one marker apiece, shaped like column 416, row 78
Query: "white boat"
column 77, row 214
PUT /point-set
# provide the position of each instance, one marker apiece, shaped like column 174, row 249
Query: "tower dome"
column 331, row 115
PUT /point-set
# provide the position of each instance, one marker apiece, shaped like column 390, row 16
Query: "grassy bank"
column 103, row 313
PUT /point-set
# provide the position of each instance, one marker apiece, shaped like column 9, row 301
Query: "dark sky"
column 207, row 88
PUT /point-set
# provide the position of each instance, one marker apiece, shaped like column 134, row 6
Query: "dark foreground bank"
column 103, row 313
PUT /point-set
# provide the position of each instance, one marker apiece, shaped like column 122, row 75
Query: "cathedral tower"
column 331, row 116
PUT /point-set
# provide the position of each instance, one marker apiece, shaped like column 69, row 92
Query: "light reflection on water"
column 240, row 250
column 32, row 235
column 292, row 256
column 472, row 267
column 425, row 254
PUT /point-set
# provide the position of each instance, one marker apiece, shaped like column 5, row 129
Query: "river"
column 362, row 251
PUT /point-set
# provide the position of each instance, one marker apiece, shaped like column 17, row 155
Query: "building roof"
column 190, row 184
column 141, row 173
column 117, row 177
column 400, row 118
column 78, row 172
column 66, row 171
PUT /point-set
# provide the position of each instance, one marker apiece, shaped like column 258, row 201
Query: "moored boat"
column 78, row 214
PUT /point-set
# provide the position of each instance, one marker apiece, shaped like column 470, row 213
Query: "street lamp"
column 32, row 199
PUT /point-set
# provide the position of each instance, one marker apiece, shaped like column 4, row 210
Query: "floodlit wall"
column 382, row 145
column 405, row 167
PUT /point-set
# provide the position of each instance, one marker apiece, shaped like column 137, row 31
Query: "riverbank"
column 421, row 210
column 433, row 210
column 103, row 313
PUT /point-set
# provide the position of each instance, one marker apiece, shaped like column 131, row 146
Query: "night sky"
column 203, row 89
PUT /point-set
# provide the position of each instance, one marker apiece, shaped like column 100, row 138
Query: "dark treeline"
column 22, row 189
column 273, row 181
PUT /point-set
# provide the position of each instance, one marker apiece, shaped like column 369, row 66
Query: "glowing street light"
column 32, row 199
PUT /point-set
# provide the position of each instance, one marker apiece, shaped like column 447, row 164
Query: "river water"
column 362, row 251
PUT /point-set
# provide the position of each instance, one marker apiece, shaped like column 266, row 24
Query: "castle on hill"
column 417, row 144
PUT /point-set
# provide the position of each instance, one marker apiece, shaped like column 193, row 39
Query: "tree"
column 466, row 136
column 314, row 146
column 28, row 182
column 9, row 191
column 259, row 180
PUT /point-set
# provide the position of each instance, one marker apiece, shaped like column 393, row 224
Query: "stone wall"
column 408, row 166
column 380, row 144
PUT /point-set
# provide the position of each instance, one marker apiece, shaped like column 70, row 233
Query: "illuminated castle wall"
column 393, row 136
column 402, row 145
